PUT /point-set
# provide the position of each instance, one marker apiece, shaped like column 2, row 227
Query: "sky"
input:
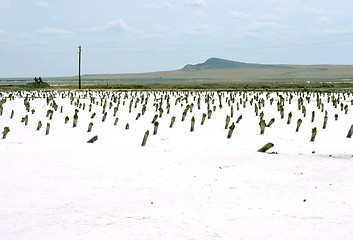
column 41, row 38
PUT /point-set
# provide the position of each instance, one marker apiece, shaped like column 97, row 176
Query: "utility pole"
column 79, row 67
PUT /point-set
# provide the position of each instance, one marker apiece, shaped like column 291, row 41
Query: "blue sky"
column 40, row 38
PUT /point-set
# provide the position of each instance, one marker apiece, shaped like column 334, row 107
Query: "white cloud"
column 237, row 14
column 320, row 11
column 196, row 3
column 164, row 4
column 200, row 30
column 116, row 25
column 53, row 31
column 242, row 15
column 199, row 14
column 259, row 26
column 338, row 31
column 5, row 4
column 43, row 4
column 325, row 20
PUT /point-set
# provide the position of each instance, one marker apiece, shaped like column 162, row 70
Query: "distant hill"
column 218, row 63
column 217, row 70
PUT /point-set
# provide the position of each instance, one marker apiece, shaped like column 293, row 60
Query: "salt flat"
column 182, row 184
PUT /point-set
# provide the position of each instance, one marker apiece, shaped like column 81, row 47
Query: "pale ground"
column 182, row 184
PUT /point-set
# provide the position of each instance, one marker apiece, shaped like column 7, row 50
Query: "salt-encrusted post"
column 192, row 124
column 145, row 138
column 270, row 122
column 116, row 121
column 289, row 117
column 154, row 118
column 47, row 129
column 90, row 125
column 39, row 125
column 230, row 131
column 26, row 120
column 209, row 114
column 156, row 124
column 281, row 109
column 266, row 147
column 5, row 132
column 127, row 126
column 262, row 124
column 239, row 118
column 172, row 122
column 75, row 120
column 92, row 140
column 299, row 122
column 104, row 116
column 184, row 115
column 349, row 135
column 66, row 119
column 313, row 116
column 313, row 134
column 231, row 111
column 325, row 122
column 203, row 118
column 227, row 122
column 336, row 117
column 12, row 113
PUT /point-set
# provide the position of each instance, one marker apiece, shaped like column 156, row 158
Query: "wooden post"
column 154, row 118
column 145, row 138
column 313, row 134
column 155, row 127
column 127, row 126
column 192, row 124
column 325, row 122
column 90, row 125
column 12, row 113
column 39, row 125
column 5, row 132
column 262, row 124
column 239, row 118
column 172, row 122
column 209, row 114
column 349, row 135
column 75, row 120
column 47, row 129
column 104, row 116
column 281, row 111
column 79, row 67
column 66, row 119
column 313, row 116
column 227, row 122
column 116, row 121
column 336, row 117
column 270, row 122
column 26, row 120
column 203, row 118
column 92, row 140
column 266, row 147
column 299, row 122
column 230, row 131
column 289, row 118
